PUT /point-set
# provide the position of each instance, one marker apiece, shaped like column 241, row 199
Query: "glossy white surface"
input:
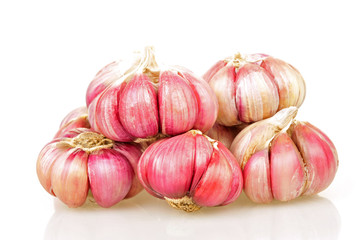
column 309, row 218
column 49, row 52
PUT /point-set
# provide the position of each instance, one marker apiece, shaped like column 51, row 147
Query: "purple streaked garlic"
column 141, row 99
column 253, row 87
column 190, row 171
column 68, row 167
column 283, row 158
column 78, row 118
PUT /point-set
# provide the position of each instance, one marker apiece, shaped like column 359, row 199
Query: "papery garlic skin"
column 77, row 118
column 190, row 171
column 283, row 158
column 253, row 87
column 82, row 160
column 144, row 100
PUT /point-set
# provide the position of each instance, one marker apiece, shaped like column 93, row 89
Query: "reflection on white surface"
column 144, row 217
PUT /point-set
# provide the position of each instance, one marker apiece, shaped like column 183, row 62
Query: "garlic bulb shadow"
column 145, row 217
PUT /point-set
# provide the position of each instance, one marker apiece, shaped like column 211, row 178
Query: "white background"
column 49, row 52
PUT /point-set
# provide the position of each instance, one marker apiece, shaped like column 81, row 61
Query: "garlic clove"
column 152, row 151
column 77, row 118
column 237, row 182
column 138, row 107
column 178, row 107
column 256, row 94
column 319, row 155
column 132, row 153
column 179, row 159
column 288, row 176
column 214, row 69
column 106, row 119
column 215, row 184
column 257, row 136
column 47, row 157
column 69, row 177
column 74, row 115
column 290, row 83
column 110, row 74
column 106, row 76
column 252, row 139
column 203, row 155
column 110, row 176
column 257, row 181
column 81, row 122
column 223, row 85
column 207, row 102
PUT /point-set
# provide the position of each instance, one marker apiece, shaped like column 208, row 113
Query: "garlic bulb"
column 78, row 118
column 253, row 87
column 140, row 99
column 283, row 158
column 190, row 171
column 68, row 167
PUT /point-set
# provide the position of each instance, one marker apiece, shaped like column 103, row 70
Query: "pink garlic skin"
column 190, row 165
column 257, row 180
column 256, row 94
column 77, row 118
column 110, row 176
column 104, row 117
column 223, row 134
column 48, row 155
column 132, row 153
column 214, row 69
column 178, row 107
column 68, row 172
column 254, row 87
column 206, row 99
column 69, row 178
column 287, row 174
column 320, row 155
column 290, row 83
column 107, row 75
column 139, row 103
column 223, row 84
column 282, row 161
column 144, row 101
column 102, row 80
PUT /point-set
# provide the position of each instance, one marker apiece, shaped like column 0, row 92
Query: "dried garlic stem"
column 185, row 203
column 89, row 142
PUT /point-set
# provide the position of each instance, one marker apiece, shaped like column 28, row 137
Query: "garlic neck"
column 149, row 65
column 284, row 117
column 238, row 61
